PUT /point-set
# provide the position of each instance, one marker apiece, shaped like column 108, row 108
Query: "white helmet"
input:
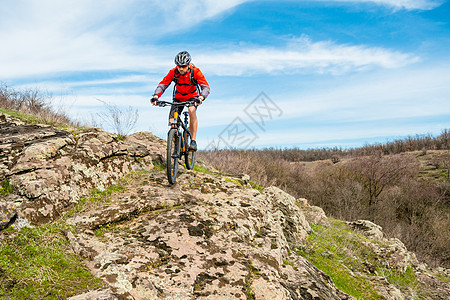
column 183, row 58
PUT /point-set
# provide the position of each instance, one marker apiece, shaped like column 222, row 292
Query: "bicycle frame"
column 177, row 123
column 177, row 141
column 177, row 119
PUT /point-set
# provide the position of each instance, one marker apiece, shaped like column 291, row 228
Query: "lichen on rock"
column 51, row 169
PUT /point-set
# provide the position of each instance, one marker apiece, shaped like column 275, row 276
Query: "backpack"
column 192, row 78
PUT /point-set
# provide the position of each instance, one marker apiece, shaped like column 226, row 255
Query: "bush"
column 32, row 102
column 121, row 121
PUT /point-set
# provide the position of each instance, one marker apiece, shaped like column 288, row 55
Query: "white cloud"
column 401, row 4
column 410, row 4
column 370, row 105
column 49, row 37
column 301, row 55
column 383, row 95
column 106, row 85
column 42, row 37
column 399, row 102
column 189, row 13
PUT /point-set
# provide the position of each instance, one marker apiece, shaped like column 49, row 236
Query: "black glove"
column 198, row 100
column 154, row 100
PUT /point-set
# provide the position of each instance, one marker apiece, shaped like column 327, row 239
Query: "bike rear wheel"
column 189, row 156
column 172, row 155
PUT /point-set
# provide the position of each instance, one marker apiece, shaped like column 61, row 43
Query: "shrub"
column 32, row 102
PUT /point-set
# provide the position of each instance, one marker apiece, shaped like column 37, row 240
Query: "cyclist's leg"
column 193, row 122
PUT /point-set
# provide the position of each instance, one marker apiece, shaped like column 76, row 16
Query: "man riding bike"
column 189, row 84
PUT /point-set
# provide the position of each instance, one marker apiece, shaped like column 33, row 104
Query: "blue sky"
column 282, row 73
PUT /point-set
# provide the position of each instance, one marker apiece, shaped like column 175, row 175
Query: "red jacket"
column 184, row 89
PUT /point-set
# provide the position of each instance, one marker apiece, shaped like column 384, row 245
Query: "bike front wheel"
column 189, row 156
column 172, row 155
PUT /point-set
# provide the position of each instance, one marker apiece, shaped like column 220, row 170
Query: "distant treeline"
column 411, row 143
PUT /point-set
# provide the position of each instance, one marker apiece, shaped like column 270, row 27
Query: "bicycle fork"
column 179, row 146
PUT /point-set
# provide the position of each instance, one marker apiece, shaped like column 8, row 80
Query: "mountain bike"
column 178, row 140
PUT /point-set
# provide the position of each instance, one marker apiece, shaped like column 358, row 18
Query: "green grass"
column 24, row 117
column 439, row 174
column 248, row 289
column 5, row 187
column 435, row 167
column 346, row 257
column 253, row 272
column 287, row 262
column 235, row 181
column 202, row 170
column 121, row 137
column 206, row 171
column 442, row 278
column 159, row 167
column 102, row 194
column 100, row 231
column 96, row 198
column 256, row 186
column 400, row 279
column 229, row 179
column 32, row 119
column 37, row 263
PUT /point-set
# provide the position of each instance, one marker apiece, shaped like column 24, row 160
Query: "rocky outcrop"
column 391, row 251
column 394, row 255
column 204, row 238
column 313, row 214
column 48, row 169
column 208, row 237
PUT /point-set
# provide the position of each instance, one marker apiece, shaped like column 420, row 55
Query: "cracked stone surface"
column 185, row 243
column 50, row 169
column 209, row 238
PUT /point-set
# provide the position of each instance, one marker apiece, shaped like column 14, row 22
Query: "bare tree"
column 377, row 172
column 121, row 120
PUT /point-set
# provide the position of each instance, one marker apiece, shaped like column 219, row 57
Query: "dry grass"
column 33, row 102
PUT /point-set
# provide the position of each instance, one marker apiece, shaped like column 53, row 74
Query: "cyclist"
column 189, row 83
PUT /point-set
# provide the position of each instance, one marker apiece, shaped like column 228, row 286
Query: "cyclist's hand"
column 154, row 100
column 199, row 100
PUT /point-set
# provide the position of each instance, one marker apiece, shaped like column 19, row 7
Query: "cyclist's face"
column 183, row 69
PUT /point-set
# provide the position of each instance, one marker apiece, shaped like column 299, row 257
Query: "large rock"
column 367, row 228
column 204, row 238
column 50, row 169
column 391, row 251
column 313, row 214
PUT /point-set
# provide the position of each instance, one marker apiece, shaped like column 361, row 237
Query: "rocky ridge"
column 51, row 169
column 207, row 237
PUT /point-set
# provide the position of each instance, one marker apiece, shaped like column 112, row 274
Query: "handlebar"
column 161, row 103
